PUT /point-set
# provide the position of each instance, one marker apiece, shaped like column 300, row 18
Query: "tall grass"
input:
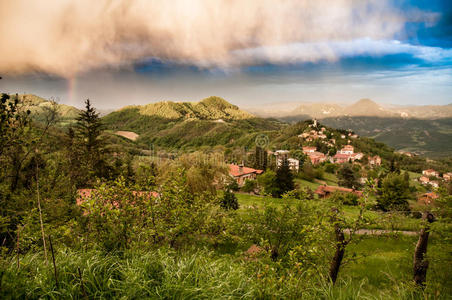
column 166, row 274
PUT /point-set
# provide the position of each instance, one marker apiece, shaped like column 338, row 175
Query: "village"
column 430, row 180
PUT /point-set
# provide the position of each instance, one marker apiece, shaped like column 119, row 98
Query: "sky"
column 250, row 52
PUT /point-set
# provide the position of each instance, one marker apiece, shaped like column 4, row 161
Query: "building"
column 427, row 198
column 424, row 180
column 324, row 191
column 309, row 149
column 241, row 173
column 447, row 176
column 375, row 160
column 341, row 158
column 294, row 164
column 430, row 173
column 347, row 149
column 316, row 157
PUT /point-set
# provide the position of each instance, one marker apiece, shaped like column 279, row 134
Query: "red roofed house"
column 325, row 191
column 427, row 198
column 430, row 172
column 241, row 173
column 316, row 157
column 424, row 180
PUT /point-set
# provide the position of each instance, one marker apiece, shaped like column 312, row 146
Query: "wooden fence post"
column 420, row 263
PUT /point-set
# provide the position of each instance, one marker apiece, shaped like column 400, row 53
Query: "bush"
column 249, row 186
column 345, row 198
column 229, row 200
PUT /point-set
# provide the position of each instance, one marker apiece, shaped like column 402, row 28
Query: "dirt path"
column 382, row 231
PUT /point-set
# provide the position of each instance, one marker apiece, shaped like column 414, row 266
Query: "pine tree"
column 88, row 130
column 284, row 178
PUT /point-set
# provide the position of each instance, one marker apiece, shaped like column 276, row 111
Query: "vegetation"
column 83, row 216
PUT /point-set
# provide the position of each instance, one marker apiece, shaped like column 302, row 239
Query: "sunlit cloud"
column 65, row 37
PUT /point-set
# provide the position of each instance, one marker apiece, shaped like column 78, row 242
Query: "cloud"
column 332, row 50
column 64, row 37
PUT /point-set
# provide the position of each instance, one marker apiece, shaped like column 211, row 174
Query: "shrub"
column 249, row 186
column 229, row 200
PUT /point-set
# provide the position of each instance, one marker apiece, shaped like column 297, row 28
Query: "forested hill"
column 181, row 125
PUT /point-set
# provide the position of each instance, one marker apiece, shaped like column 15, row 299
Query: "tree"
column 249, row 186
column 88, row 130
column 269, row 184
column 348, row 177
column 394, row 193
column 284, row 178
column 229, row 200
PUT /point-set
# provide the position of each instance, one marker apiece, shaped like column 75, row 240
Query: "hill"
column 424, row 130
column 182, row 125
column 39, row 107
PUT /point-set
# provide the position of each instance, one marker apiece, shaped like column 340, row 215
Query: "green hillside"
column 432, row 138
column 181, row 125
column 39, row 107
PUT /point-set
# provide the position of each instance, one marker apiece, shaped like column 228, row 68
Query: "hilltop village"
column 323, row 156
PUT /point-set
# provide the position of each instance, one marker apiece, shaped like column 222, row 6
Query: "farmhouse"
column 430, row 173
column 427, row 198
column 241, row 173
column 324, row 191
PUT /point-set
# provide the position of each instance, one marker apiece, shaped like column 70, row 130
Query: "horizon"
column 392, row 52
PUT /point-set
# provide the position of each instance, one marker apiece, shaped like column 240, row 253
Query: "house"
column 375, row 160
column 347, row 149
column 340, row 158
column 430, row 173
column 324, row 191
column 241, row 173
column 316, row 157
column 309, row 149
column 434, row 184
column 447, row 176
column 294, row 164
column 424, row 180
column 427, row 198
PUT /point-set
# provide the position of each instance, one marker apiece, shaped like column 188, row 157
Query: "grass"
column 376, row 267
column 377, row 220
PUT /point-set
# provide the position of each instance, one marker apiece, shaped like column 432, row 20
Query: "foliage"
column 249, row 186
column 348, row 176
column 229, row 200
column 394, row 193
column 284, row 178
column 344, row 198
column 268, row 182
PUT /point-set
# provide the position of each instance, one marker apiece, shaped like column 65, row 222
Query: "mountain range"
column 363, row 107
column 213, row 121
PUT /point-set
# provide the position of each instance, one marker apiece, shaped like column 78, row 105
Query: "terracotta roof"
column 323, row 189
column 235, row 171
column 431, row 195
